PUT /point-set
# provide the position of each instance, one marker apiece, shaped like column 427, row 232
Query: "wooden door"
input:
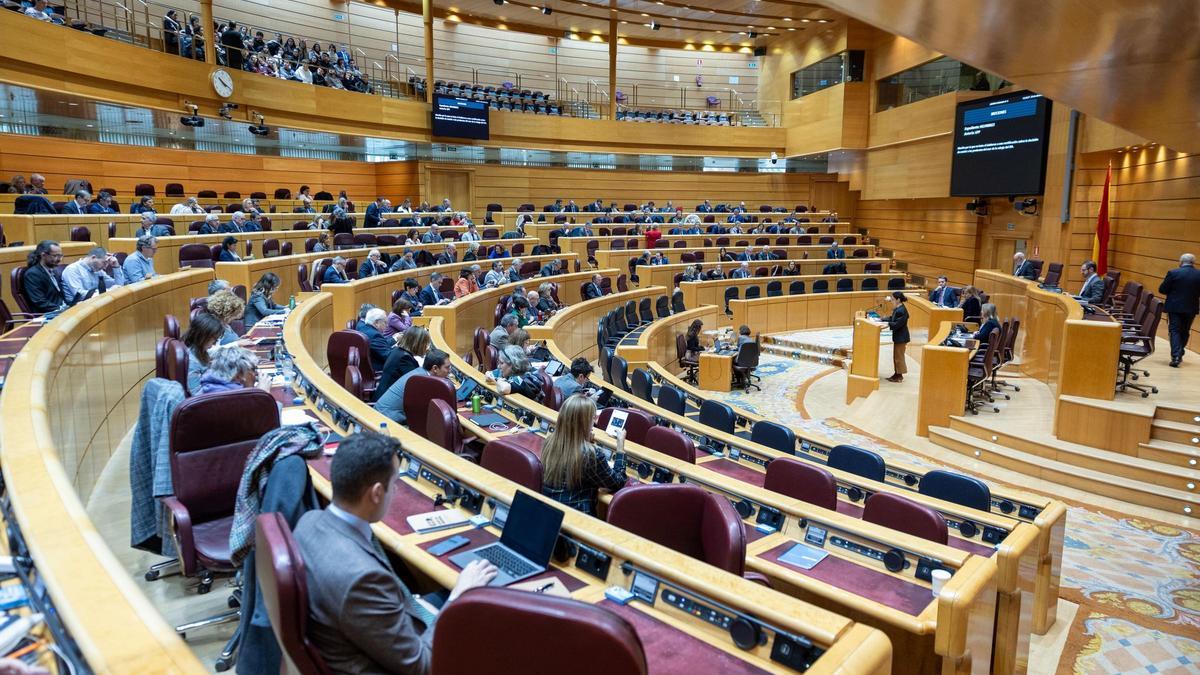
column 456, row 184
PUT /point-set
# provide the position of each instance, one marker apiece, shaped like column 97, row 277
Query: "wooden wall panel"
column 934, row 236
column 398, row 180
column 789, row 53
column 122, row 167
column 909, row 171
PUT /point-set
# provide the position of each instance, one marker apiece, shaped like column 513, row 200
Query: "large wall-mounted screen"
column 1000, row 146
column 455, row 117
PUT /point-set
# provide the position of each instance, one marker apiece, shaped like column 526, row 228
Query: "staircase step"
column 1177, row 413
column 1119, row 487
column 1176, row 432
column 1167, row 474
column 1166, row 452
column 838, row 361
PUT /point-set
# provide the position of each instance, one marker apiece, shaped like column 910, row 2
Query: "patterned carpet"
column 1137, row 582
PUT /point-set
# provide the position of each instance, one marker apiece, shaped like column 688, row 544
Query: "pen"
column 541, row 589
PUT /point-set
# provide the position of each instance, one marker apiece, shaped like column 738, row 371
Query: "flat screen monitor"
column 455, row 117
column 1000, row 146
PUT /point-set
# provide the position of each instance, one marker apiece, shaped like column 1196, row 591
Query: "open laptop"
column 526, row 542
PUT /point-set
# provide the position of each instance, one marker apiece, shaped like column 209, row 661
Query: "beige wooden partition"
column 664, row 275
column 542, row 230
column 657, row 342
column 620, row 259
column 799, row 312
column 637, row 242
column 70, row 398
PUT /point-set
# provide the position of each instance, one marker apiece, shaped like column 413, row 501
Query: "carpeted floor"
column 1137, row 582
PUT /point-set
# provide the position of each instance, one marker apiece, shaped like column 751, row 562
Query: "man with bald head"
column 1023, row 268
column 1181, row 287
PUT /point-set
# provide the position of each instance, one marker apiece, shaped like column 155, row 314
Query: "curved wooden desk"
column 573, row 328
column 664, row 275
column 712, row 292
column 620, row 258
column 852, row 648
column 737, row 242
column 70, row 398
column 952, row 633
column 542, row 230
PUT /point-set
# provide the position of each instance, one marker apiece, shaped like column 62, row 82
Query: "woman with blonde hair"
column 228, row 308
column 971, row 304
column 574, row 470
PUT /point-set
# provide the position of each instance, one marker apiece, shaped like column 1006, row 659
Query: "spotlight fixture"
column 751, row 35
column 259, row 129
column 546, row 10
column 979, row 206
column 193, row 120
column 225, row 108
column 774, row 157
column 654, row 25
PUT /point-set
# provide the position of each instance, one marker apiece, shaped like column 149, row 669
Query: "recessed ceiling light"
column 787, row 18
column 91, row 125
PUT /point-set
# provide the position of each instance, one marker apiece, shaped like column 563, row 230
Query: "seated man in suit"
column 594, row 289
column 1023, row 268
column 556, row 207
column 834, row 268
column 1093, row 284
column 149, row 226
column 765, row 254
column 432, row 236
column 41, row 285
column 835, row 252
column 336, row 273
column 571, row 207
column 509, row 323
column 742, row 271
column 659, row 258
column 944, row 295
column 373, row 265
column 706, row 207
column 447, row 256
column 236, row 224
column 252, row 223
column 373, row 325
column 747, row 254
column 736, row 217
column 79, row 205
column 362, row 618
column 102, row 205
column 550, row 269
column 404, row 262
column 212, row 223
column 431, row 294
column 97, row 271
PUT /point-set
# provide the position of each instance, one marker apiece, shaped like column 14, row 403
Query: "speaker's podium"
column 716, row 371
column 863, row 377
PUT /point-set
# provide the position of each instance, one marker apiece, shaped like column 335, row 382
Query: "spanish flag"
column 1100, row 242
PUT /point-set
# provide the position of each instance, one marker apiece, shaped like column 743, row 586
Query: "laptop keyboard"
column 506, row 560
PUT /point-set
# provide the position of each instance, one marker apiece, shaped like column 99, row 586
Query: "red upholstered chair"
column 354, row 381
column 636, row 424
column 195, row 255
column 170, row 326
column 686, row 518
column 478, row 345
column 671, row 442
column 802, row 480
column 507, row 458
column 284, row 586
column 17, row 288
column 81, row 233
column 240, row 291
column 337, row 353
column 211, row 436
column 285, row 248
column 175, row 359
column 143, row 190
column 898, row 513
column 270, row 248
column 302, row 277
column 497, row 622
column 233, row 194
column 420, row 390
column 441, row 427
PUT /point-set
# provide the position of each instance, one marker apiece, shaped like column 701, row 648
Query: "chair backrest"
column 718, row 415
column 497, row 623
column 441, row 425
column 802, row 480
column 641, row 384
column 195, row 255
column 751, row 292
column 905, row 515
column 796, row 288
column 175, row 361
column 478, row 343
column 284, row 585
column 671, row 399
column 170, row 326
column 774, row 435
column 677, row 302
column 662, row 307
column 686, row 518
column 895, row 284
column 619, row 372
column 420, row 390
column 337, row 352
column 747, row 356
column 81, row 233
column 956, row 488
column 774, row 289
column 1053, row 274
column 645, row 310
column 210, row 439
column 845, row 285
column 857, row 461
column 671, row 442
column 637, row 423
column 870, row 284
column 513, row 461
column 354, row 380
column 820, row 286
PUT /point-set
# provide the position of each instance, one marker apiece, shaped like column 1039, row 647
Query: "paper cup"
column 940, row 577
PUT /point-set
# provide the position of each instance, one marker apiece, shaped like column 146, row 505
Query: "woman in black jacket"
column 898, row 324
column 413, row 342
column 970, row 304
column 990, row 323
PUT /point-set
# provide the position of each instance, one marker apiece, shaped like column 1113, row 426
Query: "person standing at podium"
column 898, row 324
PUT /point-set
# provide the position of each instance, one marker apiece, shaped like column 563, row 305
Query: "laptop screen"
column 531, row 528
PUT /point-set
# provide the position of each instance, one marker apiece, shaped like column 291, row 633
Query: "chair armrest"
column 181, row 529
column 757, row 577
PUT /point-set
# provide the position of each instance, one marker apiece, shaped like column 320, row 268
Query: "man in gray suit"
column 362, row 617
column 1093, row 284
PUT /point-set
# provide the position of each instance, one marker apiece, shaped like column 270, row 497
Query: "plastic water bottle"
column 292, row 302
column 476, row 403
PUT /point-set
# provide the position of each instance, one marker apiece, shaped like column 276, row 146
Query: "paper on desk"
column 436, row 520
column 544, row 586
column 803, row 556
column 294, row 416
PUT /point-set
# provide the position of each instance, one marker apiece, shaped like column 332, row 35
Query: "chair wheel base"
column 204, row 588
column 152, row 575
column 223, row 664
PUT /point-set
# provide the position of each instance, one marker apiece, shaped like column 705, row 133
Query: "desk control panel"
column 893, row 559
column 747, row 632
